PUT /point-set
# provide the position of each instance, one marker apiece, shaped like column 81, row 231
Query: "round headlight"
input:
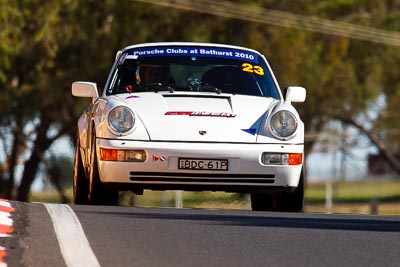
column 121, row 119
column 283, row 124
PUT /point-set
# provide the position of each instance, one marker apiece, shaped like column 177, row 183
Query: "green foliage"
column 355, row 191
column 60, row 169
column 49, row 196
column 190, row 199
column 350, row 197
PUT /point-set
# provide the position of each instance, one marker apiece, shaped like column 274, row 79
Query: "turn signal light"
column 281, row 158
column 108, row 154
column 122, row 155
column 295, row 159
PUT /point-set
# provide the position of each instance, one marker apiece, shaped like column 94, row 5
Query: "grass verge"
column 356, row 197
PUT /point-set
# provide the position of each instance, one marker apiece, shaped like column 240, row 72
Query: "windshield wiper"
column 156, row 87
column 209, row 88
column 143, row 88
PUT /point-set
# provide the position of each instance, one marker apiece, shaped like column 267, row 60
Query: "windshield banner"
column 194, row 52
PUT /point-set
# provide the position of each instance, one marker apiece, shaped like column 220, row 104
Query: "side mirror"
column 295, row 94
column 85, row 89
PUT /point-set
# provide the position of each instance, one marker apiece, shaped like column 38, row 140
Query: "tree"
column 47, row 45
column 36, row 104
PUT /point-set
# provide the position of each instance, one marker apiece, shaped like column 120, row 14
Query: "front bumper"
column 160, row 170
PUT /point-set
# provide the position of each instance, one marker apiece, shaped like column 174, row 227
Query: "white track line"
column 5, row 218
column 5, row 203
column 74, row 246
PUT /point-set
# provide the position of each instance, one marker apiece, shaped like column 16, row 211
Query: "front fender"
column 100, row 111
column 83, row 135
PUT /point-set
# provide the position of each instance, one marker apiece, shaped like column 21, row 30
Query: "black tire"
column 80, row 182
column 263, row 202
column 98, row 194
column 293, row 202
column 285, row 202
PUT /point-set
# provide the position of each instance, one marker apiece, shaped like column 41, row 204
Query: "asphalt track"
column 44, row 235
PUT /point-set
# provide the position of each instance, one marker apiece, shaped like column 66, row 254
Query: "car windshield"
column 194, row 69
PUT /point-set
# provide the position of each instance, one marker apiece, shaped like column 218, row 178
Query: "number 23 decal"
column 247, row 67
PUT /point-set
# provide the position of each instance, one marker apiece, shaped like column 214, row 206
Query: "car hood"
column 199, row 117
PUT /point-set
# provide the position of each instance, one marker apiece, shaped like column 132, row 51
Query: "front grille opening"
column 200, row 178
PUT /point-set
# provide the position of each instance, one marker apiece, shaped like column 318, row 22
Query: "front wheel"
column 263, row 202
column 293, row 202
column 98, row 193
column 286, row 202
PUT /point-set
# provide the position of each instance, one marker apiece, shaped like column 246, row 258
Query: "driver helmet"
column 151, row 73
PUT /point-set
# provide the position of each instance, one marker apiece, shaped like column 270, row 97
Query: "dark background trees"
column 45, row 46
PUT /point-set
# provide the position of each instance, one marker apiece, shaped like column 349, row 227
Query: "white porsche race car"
column 190, row 116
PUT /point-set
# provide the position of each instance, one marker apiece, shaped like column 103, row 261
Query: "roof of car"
column 188, row 44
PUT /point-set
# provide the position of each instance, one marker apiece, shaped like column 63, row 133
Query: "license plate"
column 203, row 164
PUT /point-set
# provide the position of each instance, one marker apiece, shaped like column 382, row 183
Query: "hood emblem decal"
column 202, row 132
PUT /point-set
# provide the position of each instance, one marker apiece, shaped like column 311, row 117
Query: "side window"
column 123, row 75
